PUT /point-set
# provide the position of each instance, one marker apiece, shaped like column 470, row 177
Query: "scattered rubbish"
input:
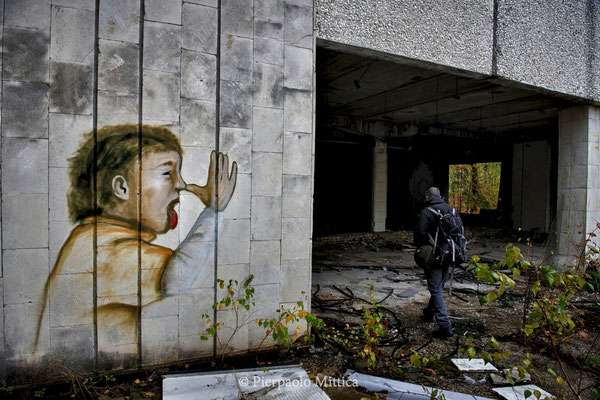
column 518, row 392
column 407, row 391
column 384, row 268
column 281, row 383
column 498, row 379
column 473, row 381
column 473, row 365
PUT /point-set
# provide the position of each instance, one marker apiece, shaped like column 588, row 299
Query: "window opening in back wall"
column 473, row 187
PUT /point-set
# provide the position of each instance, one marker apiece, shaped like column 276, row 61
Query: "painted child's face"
column 161, row 184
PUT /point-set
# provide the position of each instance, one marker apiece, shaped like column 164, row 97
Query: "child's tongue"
column 172, row 217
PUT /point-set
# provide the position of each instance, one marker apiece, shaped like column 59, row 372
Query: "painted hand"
column 220, row 184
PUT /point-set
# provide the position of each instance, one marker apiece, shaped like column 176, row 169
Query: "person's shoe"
column 442, row 334
column 425, row 317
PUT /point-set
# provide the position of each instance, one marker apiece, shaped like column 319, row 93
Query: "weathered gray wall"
column 266, row 77
column 552, row 44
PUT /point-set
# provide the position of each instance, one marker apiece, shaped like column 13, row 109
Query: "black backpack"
column 449, row 243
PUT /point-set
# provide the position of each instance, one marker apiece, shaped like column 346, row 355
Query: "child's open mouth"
column 172, row 214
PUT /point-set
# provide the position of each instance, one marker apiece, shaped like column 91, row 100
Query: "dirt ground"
column 343, row 267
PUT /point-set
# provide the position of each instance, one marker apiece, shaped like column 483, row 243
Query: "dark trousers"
column 436, row 279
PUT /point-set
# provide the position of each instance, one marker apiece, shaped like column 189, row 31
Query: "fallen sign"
column 473, row 365
column 406, row 391
column 281, row 383
column 518, row 392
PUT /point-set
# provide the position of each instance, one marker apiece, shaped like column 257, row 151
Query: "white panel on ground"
column 284, row 383
column 406, row 391
column 518, row 392
column 474, row 365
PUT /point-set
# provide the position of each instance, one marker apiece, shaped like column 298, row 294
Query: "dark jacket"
column 428, row 221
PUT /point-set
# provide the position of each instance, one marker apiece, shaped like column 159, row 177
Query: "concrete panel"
column 89, row 5
column 550, row 44
column 33, row 14
column 116, row 108
column 159, row 340
column 24, row 109
column 295, row 279
column 118, row 66
column 74, row 344
column 236, row 104
column 234, row 242
column 296, row 196
column 295, row 244
column 268, row 50
column 66, row 134
column 265, row 261
column 236, row 58
column 198, row 123
column 25, row 274
column 25, row 55
column 119, row 20
column 25, row 221
column 71, row 88
column 298, row 25
column 267, row 124
column 236, row 17
column 59, row 183
column 161, row 96
column 268, row 29
column 72, row 35
column 198, row 75
column 199, row 28
column 456, row 33
column 271, row 10
column 266, row 174
column 298, row 111
column 237, row 144
column 268, row 82
column 239, row 205
column 266, row 218
column 168, row 11
column 20, row 330
column 162, row 47
column 297, row 148
column 298, row 68
column 25, row 166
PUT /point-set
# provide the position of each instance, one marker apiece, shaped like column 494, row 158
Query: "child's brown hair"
column 116, row 147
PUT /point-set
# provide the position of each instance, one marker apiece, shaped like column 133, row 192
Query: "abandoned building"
column 335, row 116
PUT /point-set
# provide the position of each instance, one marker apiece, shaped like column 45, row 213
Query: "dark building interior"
column 429, row 117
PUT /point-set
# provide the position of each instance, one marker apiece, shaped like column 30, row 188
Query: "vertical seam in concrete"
column 140, row 183
column 2, row 375
column 495, row 39
column 217, row 148
column 95, row 180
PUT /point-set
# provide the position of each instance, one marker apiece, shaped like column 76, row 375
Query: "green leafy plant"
column 239, row 299
column 553, row 315
column 372, row 329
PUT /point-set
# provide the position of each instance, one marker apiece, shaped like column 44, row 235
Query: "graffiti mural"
column 125, row 187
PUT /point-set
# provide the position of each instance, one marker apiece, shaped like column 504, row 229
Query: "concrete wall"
column 553, row 44
column 161, row 64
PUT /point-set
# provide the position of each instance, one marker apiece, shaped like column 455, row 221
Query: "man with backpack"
column 440, row 241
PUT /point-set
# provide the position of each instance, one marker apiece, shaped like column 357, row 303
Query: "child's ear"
column 120, row 188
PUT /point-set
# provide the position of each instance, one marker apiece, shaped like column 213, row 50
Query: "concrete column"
column 379, row 187
column 578, row 182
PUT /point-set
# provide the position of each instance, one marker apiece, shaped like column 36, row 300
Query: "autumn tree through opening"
column 473, row 187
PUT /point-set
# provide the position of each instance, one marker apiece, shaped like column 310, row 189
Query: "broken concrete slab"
column 473, row 365
column 500, row 380
column 404, row 390
column 282, row 383
column 518, row 392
